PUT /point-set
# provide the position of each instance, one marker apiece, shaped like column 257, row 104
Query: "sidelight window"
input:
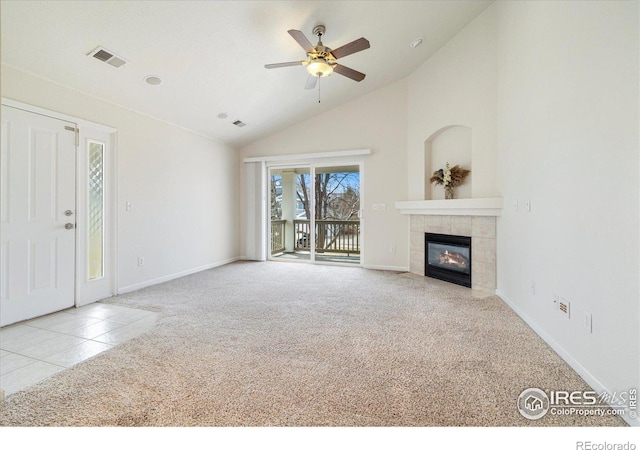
column 96, row 216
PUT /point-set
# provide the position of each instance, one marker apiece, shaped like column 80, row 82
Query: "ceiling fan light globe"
column 319, row 68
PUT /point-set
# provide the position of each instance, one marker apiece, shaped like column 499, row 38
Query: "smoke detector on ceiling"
column 108, row 57
column 153, row 80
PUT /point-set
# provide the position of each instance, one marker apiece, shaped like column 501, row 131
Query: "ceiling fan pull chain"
column 319, row 89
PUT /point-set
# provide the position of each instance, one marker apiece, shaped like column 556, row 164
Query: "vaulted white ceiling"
column 210, row 55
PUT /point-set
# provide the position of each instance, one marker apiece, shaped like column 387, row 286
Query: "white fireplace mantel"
column 453, row 207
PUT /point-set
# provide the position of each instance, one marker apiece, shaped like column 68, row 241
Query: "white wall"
column 457, row 86
column 182, row 186
column 378, row 122
column 568, row 140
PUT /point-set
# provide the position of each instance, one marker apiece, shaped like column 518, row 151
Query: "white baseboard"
column 144, row 284
column 391, row 268
column 587, row 376
column 364, row 266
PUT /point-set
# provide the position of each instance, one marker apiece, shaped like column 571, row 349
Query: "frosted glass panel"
column 96, row 210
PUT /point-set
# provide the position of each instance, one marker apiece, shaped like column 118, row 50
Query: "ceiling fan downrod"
column 318, row 31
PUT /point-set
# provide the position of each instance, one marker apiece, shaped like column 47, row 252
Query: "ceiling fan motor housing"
column 321, row 51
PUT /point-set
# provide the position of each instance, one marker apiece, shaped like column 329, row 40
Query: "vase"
column 448, row 192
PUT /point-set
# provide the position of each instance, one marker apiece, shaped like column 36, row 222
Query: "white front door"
column 38, row 215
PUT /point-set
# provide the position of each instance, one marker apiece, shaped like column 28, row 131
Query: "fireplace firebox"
column 448, row 258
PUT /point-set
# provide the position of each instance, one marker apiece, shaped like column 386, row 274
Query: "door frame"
column 86, row 129
column 312, row 163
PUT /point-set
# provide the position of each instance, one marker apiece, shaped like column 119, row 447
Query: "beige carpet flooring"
column 286, row 344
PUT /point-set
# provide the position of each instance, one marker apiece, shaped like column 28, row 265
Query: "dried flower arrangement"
column 449, row 177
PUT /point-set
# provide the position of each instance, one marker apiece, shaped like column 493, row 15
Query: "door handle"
column 69, row 226
column 68, row 212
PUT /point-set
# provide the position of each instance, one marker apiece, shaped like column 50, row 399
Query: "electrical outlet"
column 392, row 249
column 140, row 261
column 527, row 205
column 533, row 287
column 128, row 206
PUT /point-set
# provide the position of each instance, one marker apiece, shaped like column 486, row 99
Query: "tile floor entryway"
column 33, row 350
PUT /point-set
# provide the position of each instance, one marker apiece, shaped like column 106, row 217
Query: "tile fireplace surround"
column 474, row 217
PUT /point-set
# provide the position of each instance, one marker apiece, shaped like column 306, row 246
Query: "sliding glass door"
column 290, row 233
column 315, row 213
column 337, row 214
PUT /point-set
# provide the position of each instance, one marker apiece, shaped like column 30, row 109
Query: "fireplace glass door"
column 448, row 258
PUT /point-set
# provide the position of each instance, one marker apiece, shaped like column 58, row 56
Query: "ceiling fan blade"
column 311, row 82
column 284, row 64
column 349, row 73
column 301, row 39
column 350, row 48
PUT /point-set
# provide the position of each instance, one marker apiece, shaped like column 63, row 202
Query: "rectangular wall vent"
column 239, row 123
column 563, row 305
column 108, row 57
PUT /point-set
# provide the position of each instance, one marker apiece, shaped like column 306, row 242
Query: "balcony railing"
column 334, row 236
column 277, row 236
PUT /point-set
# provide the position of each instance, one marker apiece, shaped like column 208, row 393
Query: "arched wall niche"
column 451, row 144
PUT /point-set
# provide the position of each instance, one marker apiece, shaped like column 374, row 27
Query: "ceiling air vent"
column 108, row 57
column 239, row 123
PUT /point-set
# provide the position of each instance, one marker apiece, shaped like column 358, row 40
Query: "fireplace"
column 448, row 258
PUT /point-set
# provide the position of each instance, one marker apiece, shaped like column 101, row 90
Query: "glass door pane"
column 289, row 227
column 96, row 229
column 337, row 218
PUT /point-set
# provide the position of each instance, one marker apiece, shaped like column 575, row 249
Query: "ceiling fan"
column 322, row 61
